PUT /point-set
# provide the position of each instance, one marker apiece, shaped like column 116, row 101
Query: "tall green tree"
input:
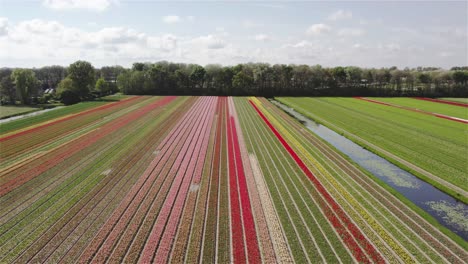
column 197, row 77
column 7, row 90
column 26, row 84
column 82, row 75
column 102, row 87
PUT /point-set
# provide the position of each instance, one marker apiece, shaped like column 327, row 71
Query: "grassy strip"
column 67, row 110
column 460, row 100
column 433, row 107
column 11, row 111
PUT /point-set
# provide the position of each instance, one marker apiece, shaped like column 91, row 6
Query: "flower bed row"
column 355, row 233
column 78, row 145
column 243, row 228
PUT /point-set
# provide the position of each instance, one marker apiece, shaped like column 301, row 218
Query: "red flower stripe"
column 460, row 120
column 355, row 232
column 441, row 101
column 242, row 208
column 80, row 144
column 236, row 219
column 106, row 106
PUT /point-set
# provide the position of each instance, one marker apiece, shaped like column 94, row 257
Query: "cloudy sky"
column 110, row 32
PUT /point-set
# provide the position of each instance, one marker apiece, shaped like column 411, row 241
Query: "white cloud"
column 95, row 5
column 351, row 32
column 3, row 26
column 210, row 42
column 117, row 35
column 262, row 37
column 166, row 43
column 300, row 44
column 340, row 15
column 317, row 29
column 172, row 19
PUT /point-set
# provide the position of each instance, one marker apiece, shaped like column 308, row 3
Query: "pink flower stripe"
column 243, row 209
column 179, row 188
column 441, row 101
column 355, row 232
column 141, row 188
column 77, row 145
column 195, row 168
column 124, row 223
column 451, row 118
column 106, row 106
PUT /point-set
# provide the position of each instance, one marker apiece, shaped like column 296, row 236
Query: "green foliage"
column 26, row 84
column 197, row 77
column 339, row 74
column 82, row 75
column 460, row 77
column 102, row 87
column 424, row 78
column 7, row 90
column 69, row 97
column 242, row 81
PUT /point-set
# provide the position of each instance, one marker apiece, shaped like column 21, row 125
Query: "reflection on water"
column 447, row 210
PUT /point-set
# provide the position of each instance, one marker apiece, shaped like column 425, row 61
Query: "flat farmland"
column 201, row 179
column 432, row 147
column 6, row 111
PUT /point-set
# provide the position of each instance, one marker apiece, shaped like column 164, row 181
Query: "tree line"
column 81, row 81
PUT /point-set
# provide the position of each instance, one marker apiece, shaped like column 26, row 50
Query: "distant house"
column 49, row 91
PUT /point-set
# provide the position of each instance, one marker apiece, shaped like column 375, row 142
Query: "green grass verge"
column 461, row 100
column 14, row 110
column 434, row 107
column 29, row 121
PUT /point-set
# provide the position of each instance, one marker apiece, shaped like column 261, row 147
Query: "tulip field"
column 427, row 136
column 174, row 179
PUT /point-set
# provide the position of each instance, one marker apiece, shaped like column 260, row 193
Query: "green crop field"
column 11, row 110
column 433, row 144
column 445, row 109
column 461, row 100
